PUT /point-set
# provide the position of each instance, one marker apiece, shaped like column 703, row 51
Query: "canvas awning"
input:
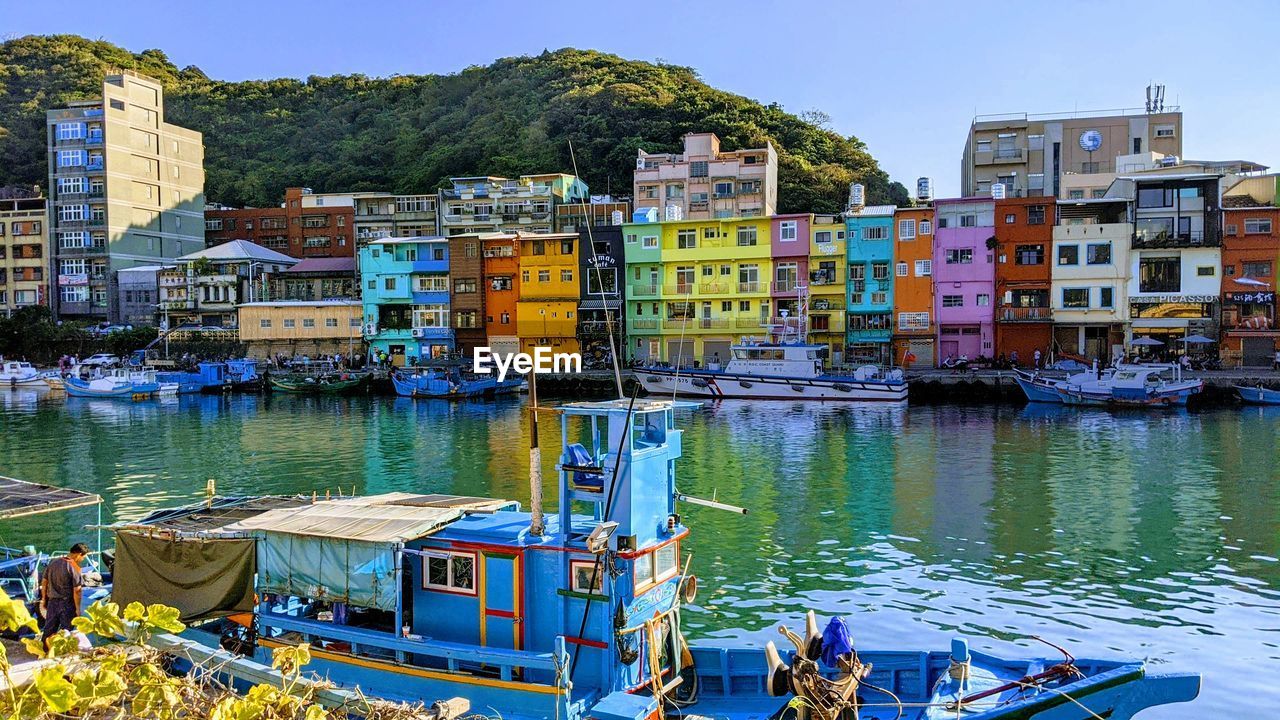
column 19, row 498
column 387, row 518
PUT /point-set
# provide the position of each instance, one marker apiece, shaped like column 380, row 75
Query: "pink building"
column 790, row 256
column 964, row 277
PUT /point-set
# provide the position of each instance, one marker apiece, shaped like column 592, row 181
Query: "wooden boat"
column 445, row 383
column 325, row 384
column 574, row 615
column 242, row 375
column 1258, row 395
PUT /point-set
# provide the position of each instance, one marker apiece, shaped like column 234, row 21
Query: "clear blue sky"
column 906, row 78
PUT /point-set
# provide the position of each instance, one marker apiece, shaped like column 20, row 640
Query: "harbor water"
column 1147, row 534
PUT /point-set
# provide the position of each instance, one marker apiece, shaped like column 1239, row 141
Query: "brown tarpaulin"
column 202, row 578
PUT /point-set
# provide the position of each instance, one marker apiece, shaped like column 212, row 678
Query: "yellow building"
column 301, row 327
column 24, row 251
column 713, row 286
column 827, row 269
column 547, row 311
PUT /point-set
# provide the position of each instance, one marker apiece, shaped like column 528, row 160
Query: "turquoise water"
column 1151, row 535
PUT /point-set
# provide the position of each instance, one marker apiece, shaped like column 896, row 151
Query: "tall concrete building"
column 705, row 182
column 126, row 188
column 1074, row 155
column 24, row 254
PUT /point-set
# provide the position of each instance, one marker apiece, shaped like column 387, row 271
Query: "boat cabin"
column 431, row 596
column 770, row 358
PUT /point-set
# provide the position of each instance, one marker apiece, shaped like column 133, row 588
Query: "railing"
column 642, row 290
column 723, row 195
column 713, row 289
column 1194, row 238
column 744, row 322
column 231, row 335
column 748, row 287
column 598, row 327
column 1024, row 314
column 835, row 324
column 782, row 286
column 678, row 289
column 643, row 323
column 826, row 277
column 93, row 165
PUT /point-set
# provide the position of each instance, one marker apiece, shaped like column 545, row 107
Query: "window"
column 464, row 285
column 1165, row 131
column 744, row 306
column 698, row 168
column 1010, row 218
column 389, row 283
column 746, row 235
column 331, row 322
column 308, row 322
column 1098, row 194
column 822, row 237
column 952, row 301
column 675, row 192
column 913, row 321
column 1256, row 268
column 1035, row 183
column 466, row 319
column 75, row 239
column 906, row 229
column 1257, row 226
column 289, row 323
column 1206, row 271
column 1028, row 255
column 586, row 576
column 544, row 276
column 1035, row 215
column 1106, row 297
column 566, row 247
column 649, row 192
column 708, row 271
column 415, row 203
column 708, row 233
column 1075, row 297
column 70, row 131
column 787, row 230
column 524, row 276
column 434, row 315
column 1069, row 255
column 650, row 242
column 71, row 212
column 686, row 239
column 875, row 232
column 726, row 270
column 960, row 256
column 1159, row 275
column 901, row 269
column 449, row 572
column 924, row 268
column 1155, row 197
column 724, row 189
column 1075, row 194
column 1089, row 167
column 631, row 238
column 71, row 185
column 1035, row 142
column 880, row 271
column 213, row 224
column 1097, row 253
column 984, row 299
column 984, row 145
column 70, row 158
column 969, row 220
column 566, row 276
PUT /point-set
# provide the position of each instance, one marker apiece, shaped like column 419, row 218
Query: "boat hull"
column 703, row 384
column 78, row 388
column 302, row 387
column 1258, row 395
column 1038, row 390
column 439, row 388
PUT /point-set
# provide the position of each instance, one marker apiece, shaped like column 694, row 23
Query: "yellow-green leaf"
column 34, row 646
column 98, row 689
column 316, row 712
column 57, row 691
column 102, row 619
column 163, row 617
column 14, row 615
column 135, row 612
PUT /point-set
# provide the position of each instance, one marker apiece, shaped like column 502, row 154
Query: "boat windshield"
column 759, row 353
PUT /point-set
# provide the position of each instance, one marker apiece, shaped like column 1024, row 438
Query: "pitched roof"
column 325, row 265
column 240, row 250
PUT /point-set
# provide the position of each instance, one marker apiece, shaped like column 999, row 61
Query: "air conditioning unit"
column 419, row 332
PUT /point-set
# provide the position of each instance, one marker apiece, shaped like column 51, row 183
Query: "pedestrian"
column 1013, row 358
column 1037, row 358
column 60, row 589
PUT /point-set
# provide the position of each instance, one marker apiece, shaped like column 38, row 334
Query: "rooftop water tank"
column 857, row 196
column 997, row 191
column 673, row 213
column 924, row 189
column 616, row 217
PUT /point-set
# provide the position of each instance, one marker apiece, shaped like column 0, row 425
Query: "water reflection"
column 1153, row 534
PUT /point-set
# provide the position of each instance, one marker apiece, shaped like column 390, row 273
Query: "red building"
column 1250, row 252
column 1023, row 314
column 290, row 229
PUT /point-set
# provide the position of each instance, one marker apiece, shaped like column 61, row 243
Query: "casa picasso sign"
column 1156, row 299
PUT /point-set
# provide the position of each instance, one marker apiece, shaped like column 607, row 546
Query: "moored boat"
column 574, row 615
column 1154, row 386
column 446, row 383
column 207, row 377
column 1258, row 395
column 318, row 384
column 116, row 383
column 775, row 371
column 242, row 375
column 15, row 373
column 1039, row 387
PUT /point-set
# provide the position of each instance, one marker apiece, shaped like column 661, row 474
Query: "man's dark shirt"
column 64, row 577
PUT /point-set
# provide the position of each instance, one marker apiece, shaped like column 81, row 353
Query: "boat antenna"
column 536, row 526
column 595, row 265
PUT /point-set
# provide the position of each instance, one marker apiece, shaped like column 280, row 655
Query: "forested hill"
column 408, row 133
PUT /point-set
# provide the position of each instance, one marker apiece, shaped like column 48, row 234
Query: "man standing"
column 60, row 591
column 1037, row 358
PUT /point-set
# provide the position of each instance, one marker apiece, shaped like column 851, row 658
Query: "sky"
column 905, row 78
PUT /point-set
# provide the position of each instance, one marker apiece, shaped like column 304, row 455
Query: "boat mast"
column 536, row 526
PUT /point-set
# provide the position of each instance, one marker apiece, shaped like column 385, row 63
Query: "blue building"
column 405, row 283
column 869, row 232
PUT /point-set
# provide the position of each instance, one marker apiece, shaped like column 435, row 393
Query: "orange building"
column 501, row 290
column 914, row 322
column 1023, row 314
column 1250, row 253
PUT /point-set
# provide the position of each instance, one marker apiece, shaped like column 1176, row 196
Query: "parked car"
column 100, row 360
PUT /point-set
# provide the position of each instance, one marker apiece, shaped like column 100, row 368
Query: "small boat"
column 15, row 373
column 117, row 383
column 242, row 375
column 775, row 371
column 1134, row 386
column 575, row 614
column 208, row 377
column 1041, row 388
column 447, row 383
column 318, row 384
column 1258, row 395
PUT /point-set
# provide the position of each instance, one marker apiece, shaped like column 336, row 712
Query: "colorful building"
column 495, row 204
column 789, row 252
column 1250, row 252
column 964, row 277
column 406, row 298
column 704, row 182
column 24, row 254
column 601, row 263
column 501, row 256
column 827, row 271
column 1089, row 276
column 869, row 233
column 295, row 229
column 914, row 330
column 696, row 286
column 1023, row 315
column 466, row 293
column 547, row 309
column 301, row 327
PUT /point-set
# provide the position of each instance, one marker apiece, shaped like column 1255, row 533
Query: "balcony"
column 1000, row 157
column 747, row 322
column 81, row 223
column 1193, row 239
column 94, row 165
column 93, row 139
column 826, row 277
column 636, row 291
column 642, row 324
column 870, row 335
column 1024, row 314
column 598, row 327
column 784, row 286
column 678, row 289
column 748, row 287
column 713, row 288
column 696, row 324
column 835, row 324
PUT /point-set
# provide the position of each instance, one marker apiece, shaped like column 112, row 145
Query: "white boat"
column 1041, row 388
column 775, row 371
column 1156, row 385
column 117, row 383
column 15, row 373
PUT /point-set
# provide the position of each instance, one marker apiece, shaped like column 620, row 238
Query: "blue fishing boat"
column 115, row 383
column 573, row 615
column 444, row 383
column 1039, row 387
column 208, row 377
column 1151, row 386
column 242, row 374
column 1258, row 395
